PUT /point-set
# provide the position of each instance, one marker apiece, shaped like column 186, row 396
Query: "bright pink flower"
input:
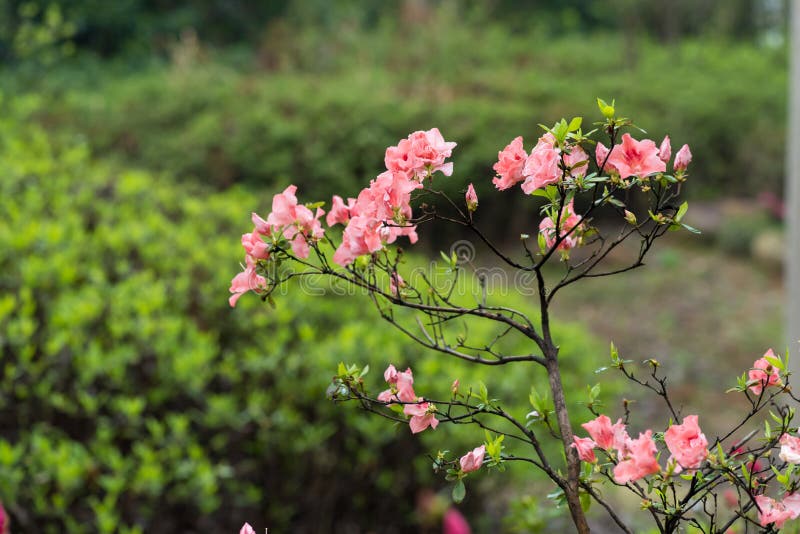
column 419, row 154
column 772, row 511
column 471, row 198
column 541, row 167
column 636, row 158
column 404, row 384
column 254, row 246
column 665, row 150
column 4, row 522
column 790, row 449
column 510, row 162
column 605, row 435
column 759, row 372
column 247, row 529
column 639, row 460
column 568, row 221
column 601, row 156
column 245, row 281
column 297, row 223
column 340, row 213
column 682, row 158
column 473, row 460
column 454, row 523
column 577, row 156
column 585, row 448
column 688, row 445
column 421, row 416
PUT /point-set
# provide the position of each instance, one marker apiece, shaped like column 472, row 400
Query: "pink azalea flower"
column 585, row 448
column 541, row 167
column 401, row 158
column 510, row 162
column 639, row 460
column 245, row 281
column 454, row 523
column 262, row 226
column 254, row 246
column 297, row 223
column 422, row 152
column 473, row 460
column 390, row 374
column 759, row 372
column 340, row 212
column 688, row 445
column 636, row 158
column 605, row 435
column 405, row 389
column 790, row 449
column 791, row 501
column 4, row 522
column 576, row 156
column 247, row 529
column 471, row 198
column 772, row 511
column 665, row 150
column 601, row 156
column 421, row 416
column 683, row 158
column 569, row 220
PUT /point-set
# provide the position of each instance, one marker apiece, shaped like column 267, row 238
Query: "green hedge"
column 133, row 399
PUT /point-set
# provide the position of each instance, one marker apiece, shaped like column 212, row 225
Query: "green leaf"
column 575, row 123
column 681, row 211
column 459, row 492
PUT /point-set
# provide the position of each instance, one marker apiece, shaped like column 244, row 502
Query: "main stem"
column 550, row 351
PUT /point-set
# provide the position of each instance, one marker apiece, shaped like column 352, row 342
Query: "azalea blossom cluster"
column 381, row 212
column 634, row 459
column 401, row 390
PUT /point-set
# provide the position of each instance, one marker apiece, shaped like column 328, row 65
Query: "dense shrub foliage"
column 130, row 398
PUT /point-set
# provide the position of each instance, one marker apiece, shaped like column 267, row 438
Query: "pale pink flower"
column 636, row 158
column 510, row 162
column 541, row 167
column 401, row 158
column 247, row 529
column 471, row 198
column 421, row 416
column 568, row 221
column 255, row 246
column 682, row 158
column 340, row 212
column 585, row 448
column 473, row 460
column 688, row 445
column 605, row 435
column 639, row 459
column 577, row 160
column 297, row 223
column 454, row 386
column 262, row 226
column 759, row 372
column 454, row 523
column 245, row 281
column 772, row 511
column 390, row 374
column 387, row 396
column 665, row 150
column 421, row 153
column 405, row 386
column 790, row 449
column 791, row 501
column 362, row 235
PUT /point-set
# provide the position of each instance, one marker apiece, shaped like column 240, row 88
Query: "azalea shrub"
column 585, row 181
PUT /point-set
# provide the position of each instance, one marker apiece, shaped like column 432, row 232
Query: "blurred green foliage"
column 133, row 399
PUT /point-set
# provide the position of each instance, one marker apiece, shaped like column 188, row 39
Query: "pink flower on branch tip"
column 682, row 158
column 585, row 448
column 510, row 162
column 636, row 158
column 296, row 222
column 568, row 226
column 688, row 445
column 541, row 167
column 639, row 459
column 605, row 435
column 790, row 449
column 422, row 416
column 577, row 161
column 471, row 199
column 454, row 523
column 340, row 212
column 245, row 281
column 401, row 386
column 255, row 246
column 473, row 460
column 665, row 150
column 247, row 529
column 775, row 512
column 764, row 373
column 421, row 154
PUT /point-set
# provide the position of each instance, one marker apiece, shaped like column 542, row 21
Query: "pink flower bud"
column 247, row 529
column 665, row 150
column 473, row 460
column 471, row 198
column 683, row 158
